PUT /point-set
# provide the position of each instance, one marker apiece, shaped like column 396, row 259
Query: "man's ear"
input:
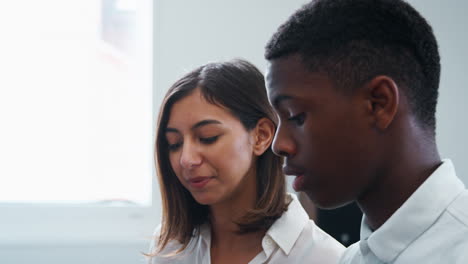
column 263, row 135
column 382, row 94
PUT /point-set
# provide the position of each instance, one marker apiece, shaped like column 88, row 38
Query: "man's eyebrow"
column 279, row 99
column 197, row 125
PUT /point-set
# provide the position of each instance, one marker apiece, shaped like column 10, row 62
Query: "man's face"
column 323, row 133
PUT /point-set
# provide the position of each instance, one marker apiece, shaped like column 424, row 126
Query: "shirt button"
column 268, row 242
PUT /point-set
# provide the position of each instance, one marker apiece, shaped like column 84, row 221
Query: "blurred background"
column 80, row 89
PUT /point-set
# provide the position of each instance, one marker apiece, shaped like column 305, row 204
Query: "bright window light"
column 75, row 102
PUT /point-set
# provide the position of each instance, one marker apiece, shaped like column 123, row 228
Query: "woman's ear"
column 263, row 135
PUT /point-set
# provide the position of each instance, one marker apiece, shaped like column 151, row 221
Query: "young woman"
column 223, row 190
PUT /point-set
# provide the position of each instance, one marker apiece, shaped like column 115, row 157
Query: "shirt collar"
column 287, row 229
column 284, row 231
column 205, row 234
column 415, row 216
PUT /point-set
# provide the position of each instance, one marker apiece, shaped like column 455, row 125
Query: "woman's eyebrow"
column 197, row 125
column 171, row 130
column 205, row 122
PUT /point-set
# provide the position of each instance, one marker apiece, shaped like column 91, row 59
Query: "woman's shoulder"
column 166, row 255
column 170, row 253
column 303, row 235
column 319, row 238
column 316, row 246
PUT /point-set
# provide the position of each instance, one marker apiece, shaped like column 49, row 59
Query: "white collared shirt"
column 293, row 238
column 430, row 227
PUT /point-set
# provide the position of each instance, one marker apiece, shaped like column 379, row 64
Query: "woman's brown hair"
column 239, row 87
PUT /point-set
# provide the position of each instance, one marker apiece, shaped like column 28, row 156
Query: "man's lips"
column 293, row 171
column 298, row 184
column 199, row 182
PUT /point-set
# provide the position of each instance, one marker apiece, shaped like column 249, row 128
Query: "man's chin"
column 326, row 201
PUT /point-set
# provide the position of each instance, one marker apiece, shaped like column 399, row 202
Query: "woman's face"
column 209, row 149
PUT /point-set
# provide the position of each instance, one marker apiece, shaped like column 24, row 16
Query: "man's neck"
column 403, row 173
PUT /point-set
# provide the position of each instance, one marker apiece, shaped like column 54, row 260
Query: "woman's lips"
column 199, row 182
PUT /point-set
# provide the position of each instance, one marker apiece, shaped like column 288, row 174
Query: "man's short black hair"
column 355, row 40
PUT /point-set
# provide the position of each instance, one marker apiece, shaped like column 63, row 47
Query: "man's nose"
column 283, row 144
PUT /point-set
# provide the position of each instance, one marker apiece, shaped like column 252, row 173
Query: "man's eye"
column 209, row 140
column 173, row 147
column 298, row 119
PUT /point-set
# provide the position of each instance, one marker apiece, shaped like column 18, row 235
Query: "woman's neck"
column 227, row 244
column 225, row 215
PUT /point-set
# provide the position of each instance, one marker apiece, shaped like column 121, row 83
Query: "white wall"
column 450, row 23
column 92, row 253
column 191, row 33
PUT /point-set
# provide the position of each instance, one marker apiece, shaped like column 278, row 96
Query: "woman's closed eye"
column 174, row 146
column 298, row 119
column 208, row 140
column 204, row 140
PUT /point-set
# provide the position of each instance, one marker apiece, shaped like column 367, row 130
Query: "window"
column 77, row 114
column 76, row 103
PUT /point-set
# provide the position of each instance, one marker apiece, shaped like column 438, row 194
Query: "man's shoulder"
column 350, row 253
column 459, row 209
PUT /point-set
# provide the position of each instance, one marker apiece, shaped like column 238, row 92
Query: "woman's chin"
column 205, row 198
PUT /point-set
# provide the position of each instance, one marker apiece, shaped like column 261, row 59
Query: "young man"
column 355, row 85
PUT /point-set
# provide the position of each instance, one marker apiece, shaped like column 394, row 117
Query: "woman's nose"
column 190, row 157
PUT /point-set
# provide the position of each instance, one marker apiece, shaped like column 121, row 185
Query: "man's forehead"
column 284, row 69
column 279, row 80
column 269, row 74
column 274, row 77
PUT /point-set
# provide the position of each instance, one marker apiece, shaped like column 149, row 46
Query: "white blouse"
column 293, row 238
